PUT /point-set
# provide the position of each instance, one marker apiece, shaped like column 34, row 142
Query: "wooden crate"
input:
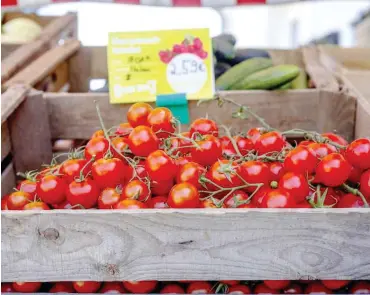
column 172, row 244
column 15, row 57
column 351, row 67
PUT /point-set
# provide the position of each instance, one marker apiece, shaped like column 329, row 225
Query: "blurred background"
column 287, row 24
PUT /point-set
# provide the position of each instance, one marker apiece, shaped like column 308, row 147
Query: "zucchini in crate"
column 237, row 73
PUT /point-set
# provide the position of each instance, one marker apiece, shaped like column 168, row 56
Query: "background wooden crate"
column 56, row 29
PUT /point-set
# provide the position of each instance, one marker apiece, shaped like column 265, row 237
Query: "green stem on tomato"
column 355, row 192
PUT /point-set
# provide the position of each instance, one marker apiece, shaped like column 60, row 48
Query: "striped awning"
column 167, row 3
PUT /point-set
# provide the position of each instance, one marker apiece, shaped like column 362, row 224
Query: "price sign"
column 143, row 65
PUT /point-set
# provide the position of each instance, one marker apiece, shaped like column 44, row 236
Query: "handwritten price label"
column 186, row 73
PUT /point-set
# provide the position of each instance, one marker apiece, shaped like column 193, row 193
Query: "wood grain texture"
column 8, row 180
column 73, row 115
column 11, row 99
column 358, row 83
column 5, row 141
column 45, row 64
column 281, row 56
column 193, row 244
column 322, row 78
column 21, row 57
column 30, row 133
column 62, row 27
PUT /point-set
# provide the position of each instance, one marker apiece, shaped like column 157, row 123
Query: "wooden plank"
column 45, row 64
column 321, row 77
column 30, row 133
column 11, row 99
column 8, row 180
column 60, row 28
column 7, row 49
column 21, row 57
column 5, row 141
column 358, row 83
column 73, row 115
column 281, row 56
column 193, row 244
column 89, row 63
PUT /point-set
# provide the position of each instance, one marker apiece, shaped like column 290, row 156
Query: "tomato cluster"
column 188, row 45
column 145, row 163
column 195, row 287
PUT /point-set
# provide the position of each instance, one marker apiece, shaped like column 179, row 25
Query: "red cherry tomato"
column 26, row 287
column 7, row 288
column 130, row 204
column 210, row 203
column 358, row 153
column 254, row 134
column 119, row 147
column 36, row 206
column 96, row 147
column 28, row 186
column 258, row 197
column 355, row 175
column 236, row 199
column 254, row 172
column 335, row 284
column 223, row 173
column 190, row 172
column 239, row 289
column 161, row 187
column 65, row 205
column 181, row 161
column 330, row 200
column 209, row 150
column 17, row 200
column 278, row 198
column 142, row 141
column 304, row 205
column 360, row 288
column 203, row 126
column 124, row 129
column 183, row 195
column 108, row 198
column 333, row 170
column 84, row 193
column 181, row 144
column 62, row 287
column 350, row 201
column 98, row 133
column 142, row 287
column 365, row 184
column 136, row 190
column 335, row 138
column 301, row 159
column 161, row 119
column 263, row 289
column 200, row 287
column 51, row 189
column 158, row 202
column 270, row 142
column 112, row 287
column 4, row 202
column 317, row 288
column 86, row 286
column 138, row 114
column 296, row 184
column 160, row 166
column 276, row 171
column 322, row 149
column 172, row 289
column 277, row 284
column 108, row 172
column 244, row 144
column 293, row 289
column 71, row 168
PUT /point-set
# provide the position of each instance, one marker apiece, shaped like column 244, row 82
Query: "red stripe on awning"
column 186, row 2
column 244, row 2
column 9, row 3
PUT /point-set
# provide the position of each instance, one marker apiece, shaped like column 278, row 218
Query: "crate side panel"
column 193, row 244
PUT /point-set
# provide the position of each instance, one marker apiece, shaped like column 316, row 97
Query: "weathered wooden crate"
column 172, row 244
column 15, row 57
column 351, row 67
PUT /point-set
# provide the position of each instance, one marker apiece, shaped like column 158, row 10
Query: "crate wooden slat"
column 190, row 244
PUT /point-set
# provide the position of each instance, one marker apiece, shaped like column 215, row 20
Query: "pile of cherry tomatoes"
column 195, row 287
column 147, row 163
